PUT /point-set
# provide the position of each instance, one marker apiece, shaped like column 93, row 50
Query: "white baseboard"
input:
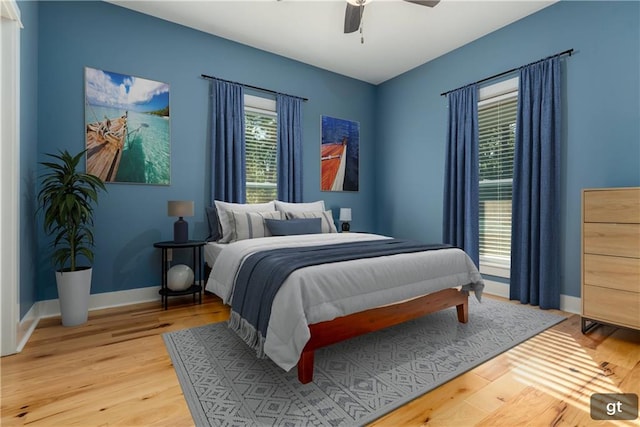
column 26, row 326
column 567, row 303
column 496, row 288
column 571, row 304
column 50, row 308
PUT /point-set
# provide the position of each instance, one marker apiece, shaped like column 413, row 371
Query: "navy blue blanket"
column 262, row 274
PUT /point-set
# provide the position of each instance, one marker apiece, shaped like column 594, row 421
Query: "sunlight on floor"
column 556, row 364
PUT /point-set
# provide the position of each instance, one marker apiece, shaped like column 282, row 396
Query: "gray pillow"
column 328, row 225
column 214, row 224
column 290, row 227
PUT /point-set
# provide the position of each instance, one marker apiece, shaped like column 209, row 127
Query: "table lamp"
column 180, row 208
column 345, row 218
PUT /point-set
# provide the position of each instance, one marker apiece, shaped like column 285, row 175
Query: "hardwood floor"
column 115, row 370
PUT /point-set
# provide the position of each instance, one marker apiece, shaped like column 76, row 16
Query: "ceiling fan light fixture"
column 359, row 2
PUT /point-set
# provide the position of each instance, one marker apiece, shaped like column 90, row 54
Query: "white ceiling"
column 398, row 35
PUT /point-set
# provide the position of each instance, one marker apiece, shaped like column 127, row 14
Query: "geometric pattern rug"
column 355, row 381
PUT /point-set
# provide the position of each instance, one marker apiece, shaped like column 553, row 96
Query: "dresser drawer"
column 616, row 205
column 612, row 272
column 612, row 239
column 611, row 306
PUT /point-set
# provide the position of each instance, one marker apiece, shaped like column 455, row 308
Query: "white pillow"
column 327, row 219
column 251, row 225
column 300, row 207
column 224, row 215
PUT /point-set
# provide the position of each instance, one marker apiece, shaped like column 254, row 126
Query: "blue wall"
column 403, row 122
column 601, row 138
column 28, row 152
column 130, row 218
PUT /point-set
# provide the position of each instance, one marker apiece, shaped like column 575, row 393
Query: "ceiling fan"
column 355, row 9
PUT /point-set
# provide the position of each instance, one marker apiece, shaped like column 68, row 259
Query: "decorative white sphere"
column 179, row 277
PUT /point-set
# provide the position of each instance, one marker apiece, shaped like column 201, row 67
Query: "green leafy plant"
column 67, row 198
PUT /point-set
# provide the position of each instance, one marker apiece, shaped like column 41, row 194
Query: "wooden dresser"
column 611, row 257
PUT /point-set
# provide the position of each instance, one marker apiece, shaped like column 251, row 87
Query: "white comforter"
column 324, row 292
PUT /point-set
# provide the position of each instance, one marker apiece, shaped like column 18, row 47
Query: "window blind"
column 496, row 128
column 261, row 144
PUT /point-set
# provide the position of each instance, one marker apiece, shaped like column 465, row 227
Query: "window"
column 496, row 128
column 261, row 143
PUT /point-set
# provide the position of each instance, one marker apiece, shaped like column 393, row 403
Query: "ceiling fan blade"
column 352, row 18
column 428, row 3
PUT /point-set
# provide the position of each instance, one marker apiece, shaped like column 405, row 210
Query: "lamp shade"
column 345, row 214
column 180, row 208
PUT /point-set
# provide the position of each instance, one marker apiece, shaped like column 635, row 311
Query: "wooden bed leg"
column 463, row 312
column 305, row 367
column 374, row 319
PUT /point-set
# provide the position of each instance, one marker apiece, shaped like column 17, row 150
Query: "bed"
column 318, row 305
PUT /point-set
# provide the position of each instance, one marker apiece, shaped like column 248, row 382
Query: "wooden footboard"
column 342, row 328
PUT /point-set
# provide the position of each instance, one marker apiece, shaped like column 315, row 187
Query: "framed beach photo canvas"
column 127, row 128
column 339, row 154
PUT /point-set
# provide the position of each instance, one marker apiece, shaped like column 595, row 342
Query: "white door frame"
column 9, row 175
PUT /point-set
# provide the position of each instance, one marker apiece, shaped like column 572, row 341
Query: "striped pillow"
column 224, row 215
column 250, row 225
column 328, row 225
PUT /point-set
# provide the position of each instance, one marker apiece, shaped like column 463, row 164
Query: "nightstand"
column 196, row 247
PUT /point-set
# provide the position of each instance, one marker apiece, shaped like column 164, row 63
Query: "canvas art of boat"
column 334, row 162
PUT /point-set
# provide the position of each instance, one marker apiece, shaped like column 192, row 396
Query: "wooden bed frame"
column 342, row 328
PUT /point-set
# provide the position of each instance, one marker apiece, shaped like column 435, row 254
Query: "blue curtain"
column 535, row 249
column 228, row 176
column 289, row 151
column 460, row 216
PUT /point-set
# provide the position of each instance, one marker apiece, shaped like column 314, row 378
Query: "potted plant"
column 67, row 198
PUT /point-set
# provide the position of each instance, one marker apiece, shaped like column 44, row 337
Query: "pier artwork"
column 127, row 128
column 105, row 142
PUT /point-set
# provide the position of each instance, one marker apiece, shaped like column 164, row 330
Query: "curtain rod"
column 495, row 76
column 261, row 89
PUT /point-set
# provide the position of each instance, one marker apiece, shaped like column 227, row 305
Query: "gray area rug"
column 355, row 381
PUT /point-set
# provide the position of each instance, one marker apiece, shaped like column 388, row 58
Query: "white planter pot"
column 74, row 288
